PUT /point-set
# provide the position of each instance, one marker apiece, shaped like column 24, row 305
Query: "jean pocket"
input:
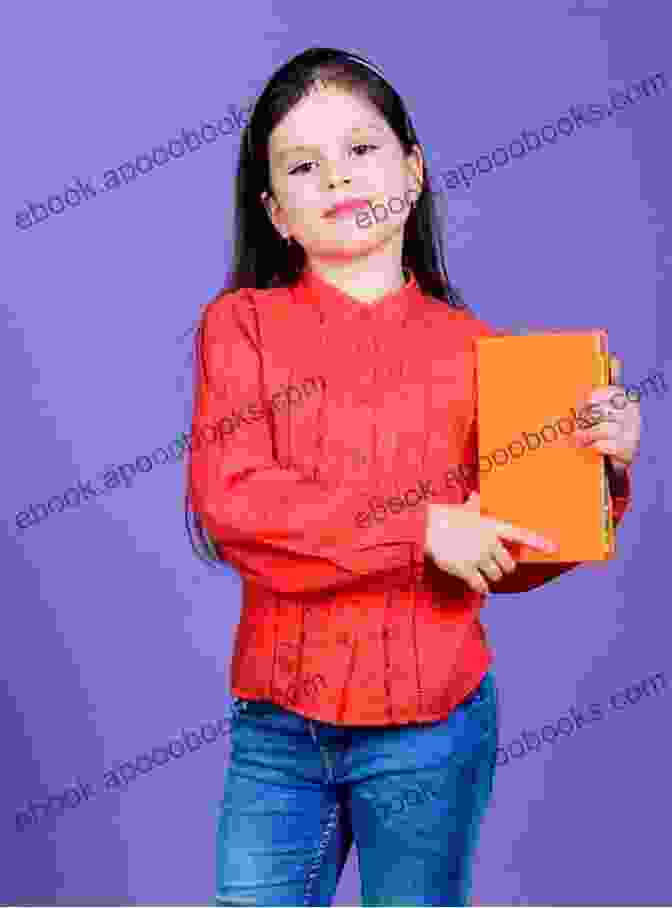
column 478, row 695
column 481, row 703
column 253, row 708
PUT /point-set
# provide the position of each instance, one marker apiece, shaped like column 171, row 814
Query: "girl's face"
column 333, row 147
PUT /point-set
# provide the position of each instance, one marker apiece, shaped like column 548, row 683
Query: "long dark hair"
column 261, row 258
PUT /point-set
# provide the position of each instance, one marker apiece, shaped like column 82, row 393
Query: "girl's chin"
column 344, row 249
column 354, row 237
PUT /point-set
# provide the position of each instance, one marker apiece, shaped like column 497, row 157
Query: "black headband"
column 362, row 62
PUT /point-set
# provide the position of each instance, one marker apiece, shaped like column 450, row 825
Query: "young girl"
column 335, row 387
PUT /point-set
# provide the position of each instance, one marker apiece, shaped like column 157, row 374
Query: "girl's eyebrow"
column 284, row 152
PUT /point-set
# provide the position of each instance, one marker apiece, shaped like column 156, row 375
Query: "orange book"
column 531, row 391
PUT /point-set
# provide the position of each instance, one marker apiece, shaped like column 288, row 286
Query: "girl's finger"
column 607, row 414
column 614, row 450
column 527, row 537
column 489, row 566
column 475, row 580
column 503, row 558
column 471, row 577
column 610, row 431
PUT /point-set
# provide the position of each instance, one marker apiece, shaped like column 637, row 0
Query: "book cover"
column 530, row 392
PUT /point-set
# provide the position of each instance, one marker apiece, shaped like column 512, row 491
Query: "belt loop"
column 311, row 725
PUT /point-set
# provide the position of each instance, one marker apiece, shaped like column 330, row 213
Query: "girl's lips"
column 346, row 208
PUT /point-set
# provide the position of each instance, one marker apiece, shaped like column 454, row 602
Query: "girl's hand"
column 463, row 543
column 617, row 424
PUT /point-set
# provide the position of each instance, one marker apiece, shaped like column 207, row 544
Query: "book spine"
column 604, row 379
column 608, row 517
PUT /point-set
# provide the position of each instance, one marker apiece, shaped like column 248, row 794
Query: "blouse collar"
column 332, row 302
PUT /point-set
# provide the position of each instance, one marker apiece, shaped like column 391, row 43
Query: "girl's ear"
column 269, row 204
column 273, row 212
column 416, row 167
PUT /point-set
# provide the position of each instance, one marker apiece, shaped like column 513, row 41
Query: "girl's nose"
column 335, row 175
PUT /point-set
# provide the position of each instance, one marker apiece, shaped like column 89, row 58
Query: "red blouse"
column 322, row 426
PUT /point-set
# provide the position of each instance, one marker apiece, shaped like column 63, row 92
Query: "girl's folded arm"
column 278, row 527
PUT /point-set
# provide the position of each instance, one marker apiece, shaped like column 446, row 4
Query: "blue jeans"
column 298, row 791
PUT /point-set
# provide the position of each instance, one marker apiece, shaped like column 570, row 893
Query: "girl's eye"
column 298, row 169
column 364, row 146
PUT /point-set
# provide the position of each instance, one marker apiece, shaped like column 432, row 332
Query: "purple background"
column 114, row 638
